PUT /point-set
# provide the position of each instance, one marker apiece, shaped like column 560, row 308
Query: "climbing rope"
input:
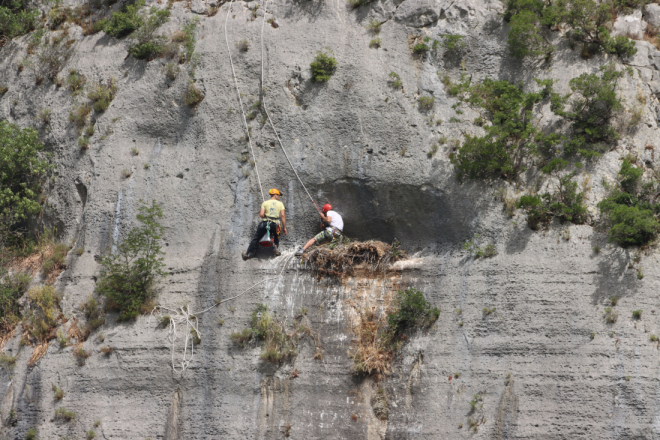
column 263, row 103
column 240, row 100
column 183, row 315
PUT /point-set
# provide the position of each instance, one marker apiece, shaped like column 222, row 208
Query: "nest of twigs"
column 341, row 258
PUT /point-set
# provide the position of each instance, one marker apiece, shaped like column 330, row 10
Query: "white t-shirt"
column 335, row 221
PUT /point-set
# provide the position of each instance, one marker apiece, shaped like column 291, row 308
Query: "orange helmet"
column 327, row 207
column 275, row 191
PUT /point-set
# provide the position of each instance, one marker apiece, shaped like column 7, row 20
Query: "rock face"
column 542, row 362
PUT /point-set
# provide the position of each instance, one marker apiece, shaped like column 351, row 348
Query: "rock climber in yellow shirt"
column 272, row 213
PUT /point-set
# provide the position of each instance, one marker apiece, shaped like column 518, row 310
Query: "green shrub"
column 43, row 315
column 6, row 361
column 637, row 314
column 128, row 275
column 56, row 259
column 102, row 95
column 64, row 414
column 586, row 21
column 631, row 225
column 23, row 169
column 375, row 43
column 79, row 115
column 58, row 393
column 52, row 57
column 594, row 102
column 610, row 315
column 566, row 203
column 629, row 211
column 126, row 21
column 510, row 139
column 243, row 45
column 90, row 435
column 15, row 20
column 357, row 3
column 75, row 81
column 81, row 356
column 374, row 25
column 193, row 96
column 426, row 102
column 31, row 434
column 12, row 289
column 412, row 310
column 145, row 45
column 395, row 80
column 189, row 39
column 323, row 66
column 93, row 314
column 420, row 48
column 83, row 143
column 277, row 345
column 453, row 44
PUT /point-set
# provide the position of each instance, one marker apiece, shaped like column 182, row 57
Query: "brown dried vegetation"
column 339, row 259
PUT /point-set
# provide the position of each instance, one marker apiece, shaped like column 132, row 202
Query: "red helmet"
column 327, row 207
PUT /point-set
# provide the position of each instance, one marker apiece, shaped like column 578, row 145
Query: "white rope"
column 183, row 315
column 238, row 91
column 263, row 103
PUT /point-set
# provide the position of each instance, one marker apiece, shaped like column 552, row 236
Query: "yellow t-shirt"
column 272, row 210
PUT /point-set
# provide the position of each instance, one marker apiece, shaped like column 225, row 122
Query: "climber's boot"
column 247, row 255
column 276, row 251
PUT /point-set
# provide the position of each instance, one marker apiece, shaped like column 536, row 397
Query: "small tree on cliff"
column 127, row 276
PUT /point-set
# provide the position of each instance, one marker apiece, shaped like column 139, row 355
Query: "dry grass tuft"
column 38, row 352
column 342, row 259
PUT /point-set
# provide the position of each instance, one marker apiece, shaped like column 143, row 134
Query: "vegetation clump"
column 42, row 317
column 426, row 103
column 323, row 66
column 24, row 170
column 278, row 345
column 193, row 96
column 395, row 80
column 127, row 276
column 565, row 203
column 587, row 21
column 511, row 135
column 629, row 212
column 64, row 414
column 378, row 336
column 12, row 289
column 340, row 257
column 125, row 21
column 102, row 95
column 145, row 45
column 16, row 20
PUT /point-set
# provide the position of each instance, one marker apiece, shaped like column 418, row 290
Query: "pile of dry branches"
column 338, row 259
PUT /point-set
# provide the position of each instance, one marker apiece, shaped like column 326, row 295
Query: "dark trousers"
column 261, row 230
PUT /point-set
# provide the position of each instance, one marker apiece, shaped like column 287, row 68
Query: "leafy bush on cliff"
column 277, row 344
column 630, row 211
column 593, row 103
column 23, row 169
column 127, row 276
column 565, row 203
column 587, row 21
column 511, row 137
column 15, row 20
column 125, row 21
column 526, row 33
column 412, row 310
column 145, row 45
column 11, row 290
column 323, row 66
